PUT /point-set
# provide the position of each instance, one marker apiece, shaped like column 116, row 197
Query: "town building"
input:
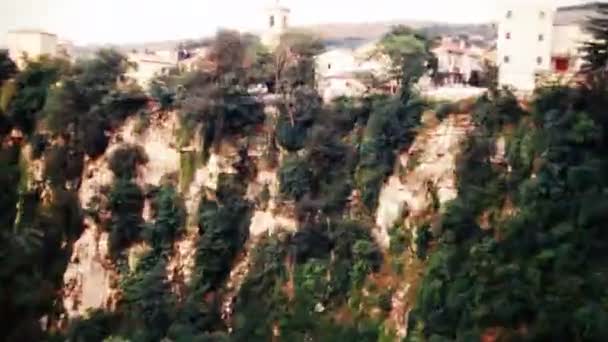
column 537, row 41
column 196, row 59
column 350, row 72
column 150, row 65
column 30, row 44
column 525, row 31
column 459, row 60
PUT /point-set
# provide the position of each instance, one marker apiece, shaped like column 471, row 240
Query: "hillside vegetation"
column 517, row 255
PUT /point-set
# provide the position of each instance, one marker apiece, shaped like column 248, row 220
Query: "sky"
column 132, row 21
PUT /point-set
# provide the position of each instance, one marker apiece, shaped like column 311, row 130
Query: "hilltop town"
column 378, row 182
column 528, row 43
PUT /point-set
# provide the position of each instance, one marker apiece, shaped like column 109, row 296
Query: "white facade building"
column 30, row 44
column 277, row 23
column 525, row 33
column 340, row 72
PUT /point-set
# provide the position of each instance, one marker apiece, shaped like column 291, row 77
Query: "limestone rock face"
column 160, row 145
column 89, row 276
column 435, row 148
column 91, row 280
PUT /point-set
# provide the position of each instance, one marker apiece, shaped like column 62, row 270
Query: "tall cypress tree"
column 595, row 52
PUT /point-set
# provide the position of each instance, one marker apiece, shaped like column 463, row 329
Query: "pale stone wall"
column 150, row 66
column 32, row 44
column 436, row 147
column 336, row 61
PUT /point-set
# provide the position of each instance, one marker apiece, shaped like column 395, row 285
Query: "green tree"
column 228, row 51
column 294, row 63
column 7, row 67
column 409, row 52
column 31, row 90
column 295, row 178
column 169, row 217
column 87, row 101
column 595, row 51
column 126, row 205
column 124, row 160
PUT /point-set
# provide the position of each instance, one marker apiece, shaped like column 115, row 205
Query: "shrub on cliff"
column 295, row 178
column 126, row 205
column 124, row 160
column 169, row 217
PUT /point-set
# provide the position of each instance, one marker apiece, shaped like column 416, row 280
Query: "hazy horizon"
column 136, row 21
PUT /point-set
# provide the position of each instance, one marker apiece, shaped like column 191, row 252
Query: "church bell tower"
column 277, row 23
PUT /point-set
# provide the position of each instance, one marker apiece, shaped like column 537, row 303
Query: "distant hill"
column 340, row 34
column 349, row 33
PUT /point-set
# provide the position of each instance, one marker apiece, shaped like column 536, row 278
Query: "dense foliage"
column 409, row 52
column 595, row 51
column 518, row 255
column 535, row 273
column 42, row 217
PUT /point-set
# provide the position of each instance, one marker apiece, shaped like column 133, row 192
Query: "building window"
column 506, row 59
column 539, row 60
column 509, row 14
column 508, row 35
column 328, row 66
column 541, row 14
column 272, row 21
column 541, row 37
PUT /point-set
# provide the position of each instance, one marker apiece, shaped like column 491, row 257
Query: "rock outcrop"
column 90, row 278
column 434, row 169
column 90, row 281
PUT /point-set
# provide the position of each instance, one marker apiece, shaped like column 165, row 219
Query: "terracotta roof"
column 451, row 47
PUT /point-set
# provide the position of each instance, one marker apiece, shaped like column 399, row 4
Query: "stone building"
column 342, row 71
column 458, row 59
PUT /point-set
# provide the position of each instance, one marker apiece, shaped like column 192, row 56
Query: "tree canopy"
column 409, row 52
column 595, row 51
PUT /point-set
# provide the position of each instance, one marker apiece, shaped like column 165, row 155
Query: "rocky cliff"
column 90, row 281
column 423, row 172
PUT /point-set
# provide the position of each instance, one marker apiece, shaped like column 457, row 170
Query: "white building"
column 277, row 23
column 537, row 40
column 340, row 71
column 30, row 44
